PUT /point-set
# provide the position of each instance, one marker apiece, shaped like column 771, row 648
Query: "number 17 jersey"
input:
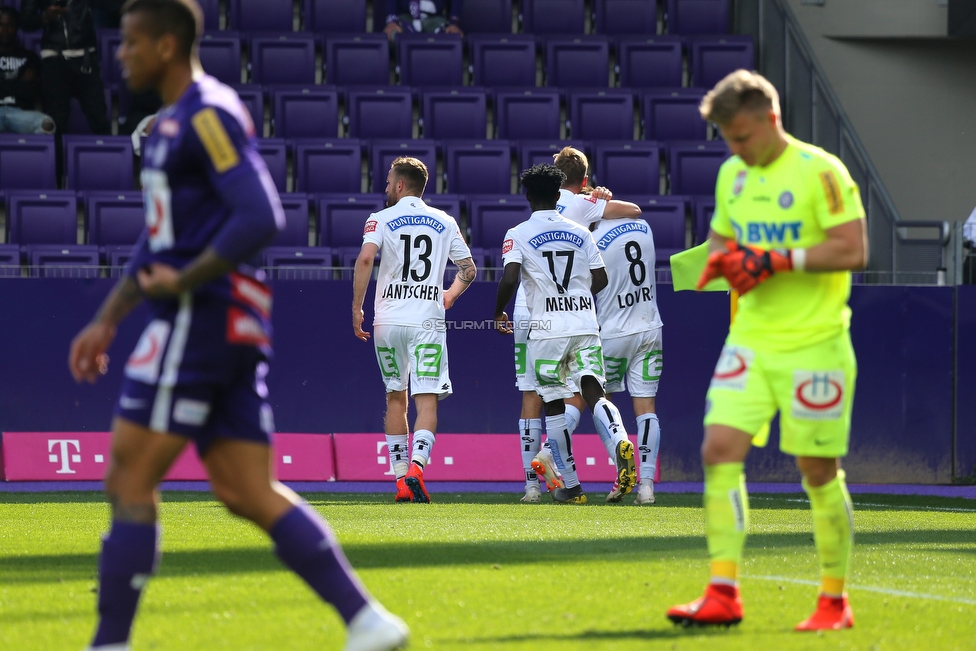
column 415, row 241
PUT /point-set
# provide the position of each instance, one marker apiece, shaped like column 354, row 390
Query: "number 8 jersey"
column 416, row 242
column 629, row 303
column 556, row 257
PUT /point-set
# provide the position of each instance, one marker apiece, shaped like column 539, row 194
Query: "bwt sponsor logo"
column 68, row 452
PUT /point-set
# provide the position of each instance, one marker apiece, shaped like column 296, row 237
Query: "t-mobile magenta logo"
column 68, row 452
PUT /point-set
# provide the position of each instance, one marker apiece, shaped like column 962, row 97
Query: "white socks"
column 398, row 445
column 530, row 431
column 572, row 418
column 423, row 442
column 608, row 423
column 648, row 444
column 560, row 443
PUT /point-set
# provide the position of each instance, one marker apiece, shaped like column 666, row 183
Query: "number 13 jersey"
column 629, row 302
column 416, row 242
column 556, row 257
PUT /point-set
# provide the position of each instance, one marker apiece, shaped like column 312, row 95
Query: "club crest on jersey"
column 415, row 220
column 617, row 231
column 590, row 198
column 740, row 183
column 370, row 226
column 556, row 236
column 169, row 128
column 732, row 370
column 818, row 395
column 507, row 246
column 785, row 199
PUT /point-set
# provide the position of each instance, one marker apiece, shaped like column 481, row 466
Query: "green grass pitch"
column 482, row 572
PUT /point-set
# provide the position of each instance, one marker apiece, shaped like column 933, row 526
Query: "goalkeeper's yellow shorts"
column 812, row 388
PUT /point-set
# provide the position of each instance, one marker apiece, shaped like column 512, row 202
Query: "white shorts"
column 523, row 380
column 416, row 353
column 636, row 360
column 556, row 365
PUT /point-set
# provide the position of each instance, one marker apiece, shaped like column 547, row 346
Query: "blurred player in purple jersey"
column 197, row 374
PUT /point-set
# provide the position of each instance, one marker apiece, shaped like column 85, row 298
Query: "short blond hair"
column 572, row 162
column 741, row 90
column 411, row 171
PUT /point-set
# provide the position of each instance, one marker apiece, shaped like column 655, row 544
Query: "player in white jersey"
column 584, row 206
column 560, row 269
column 411, row 341
column 630, row 328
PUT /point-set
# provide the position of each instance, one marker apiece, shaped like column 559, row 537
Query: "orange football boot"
column 832, row 614
column 415, row 483
column 719, row 606
column 403, row 493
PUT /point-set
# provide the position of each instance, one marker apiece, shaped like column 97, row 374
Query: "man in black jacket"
column 19, row 81
column 69, row 62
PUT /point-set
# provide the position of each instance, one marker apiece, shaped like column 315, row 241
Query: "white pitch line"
column 856, row 503
column 871, row 588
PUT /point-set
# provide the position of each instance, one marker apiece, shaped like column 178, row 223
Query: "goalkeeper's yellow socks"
column 833, row 531
column 726, row 519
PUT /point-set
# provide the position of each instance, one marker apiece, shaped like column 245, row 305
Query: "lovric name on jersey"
column 631, row 299
column 421, row 292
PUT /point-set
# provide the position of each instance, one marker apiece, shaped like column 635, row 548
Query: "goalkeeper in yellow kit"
column 787, row 230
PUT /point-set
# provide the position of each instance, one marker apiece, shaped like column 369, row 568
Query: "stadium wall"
column 323, row 380
column 907, row 89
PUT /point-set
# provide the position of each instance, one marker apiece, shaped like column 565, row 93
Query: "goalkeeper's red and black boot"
column 403, row 493
column 832, row 614
column 719, row 606
column 415, row 482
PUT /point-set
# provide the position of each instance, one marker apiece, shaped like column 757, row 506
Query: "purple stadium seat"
column 260, row 15
column 117, row 257
column 360, row 60
column 299, row 262
column 628, row 167
column 27, row 162
column 78, row 123
column 114, row 218
column 305, row 112
column 602, row 115
column 486, row 16
column 59, row 261
column 252, row 96
column 482, row 167
column 211, row 13
column 666, row 217
column 342, row 217
column 578, row 62
column 98, row 162
column 449, row 203
column 430, row 59
column 502, row 60
column 9, row 261
column 625, row 16
column 220, row 54
column 283, row 59
column 490, row 217
column 379, row 112
column 698, row 16
column 672, row 114
column 274, row 151
column 382, row 153
column 528, row 113
column 108, row 44
column 552, row 16
column 334, row 16
column 32, row 40
column 693, row 166
column 533, row 152
column 454, row 114
column 295, row 232
column 714, row 57
column 328, row 165
column 49, row 217
column 649, row 62
column 702, row 207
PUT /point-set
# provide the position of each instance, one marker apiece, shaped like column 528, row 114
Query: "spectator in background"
column 69, row 62
column 19, row 81
column 429, row 16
